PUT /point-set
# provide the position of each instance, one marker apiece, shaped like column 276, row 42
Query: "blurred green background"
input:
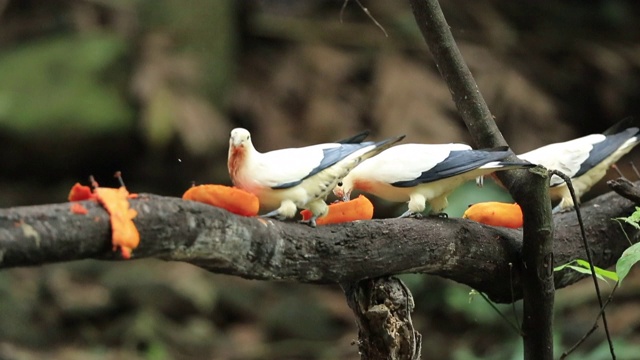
column 153, row 87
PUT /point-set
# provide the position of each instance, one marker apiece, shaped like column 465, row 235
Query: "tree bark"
column 383, row 309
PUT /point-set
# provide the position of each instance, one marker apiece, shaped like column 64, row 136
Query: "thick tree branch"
column 173, row 229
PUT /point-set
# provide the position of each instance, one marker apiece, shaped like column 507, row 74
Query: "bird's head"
column 343, row 188
column 239, row 143
column 239, row 138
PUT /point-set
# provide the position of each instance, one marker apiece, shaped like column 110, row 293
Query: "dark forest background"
column 153, row 87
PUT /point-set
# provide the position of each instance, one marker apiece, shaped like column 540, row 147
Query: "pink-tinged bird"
column 293, row 178
column 585, row 160
column 421, row 173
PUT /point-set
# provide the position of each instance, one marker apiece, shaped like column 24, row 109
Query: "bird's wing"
column 285, row 168
column 406, row 162
column 605, row 148
column 457, row 162
column 566, row 157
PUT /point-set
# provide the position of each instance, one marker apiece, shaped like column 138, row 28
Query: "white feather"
column 568, row 157
column 408, row 162
column 293, row 178
column 405, row 162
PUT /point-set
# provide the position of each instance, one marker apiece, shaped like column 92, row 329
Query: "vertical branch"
column 383, row 309
column 538, row 289
column 456, row 74
column 529, row 189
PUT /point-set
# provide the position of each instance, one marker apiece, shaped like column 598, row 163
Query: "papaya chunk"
column 80, row 192
column 232, row 199
column 360, row 208
column 124, row 234
column 495, row 214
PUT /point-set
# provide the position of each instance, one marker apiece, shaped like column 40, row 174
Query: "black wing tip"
column 355, row 139
column 622, row 125
column 522, row 163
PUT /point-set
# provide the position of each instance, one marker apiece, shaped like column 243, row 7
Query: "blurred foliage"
column 152, row 88
column 206, row 29
column 62, row 85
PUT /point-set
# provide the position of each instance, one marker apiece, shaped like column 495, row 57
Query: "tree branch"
column 527, row 188
column 174, row 229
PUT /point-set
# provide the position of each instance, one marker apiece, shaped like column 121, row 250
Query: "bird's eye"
column 339, row 183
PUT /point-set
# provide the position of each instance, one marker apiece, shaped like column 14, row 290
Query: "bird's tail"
column 500, row 153
column 508, row 165
column 380, row 146
column 355, row 139
column 624, row 124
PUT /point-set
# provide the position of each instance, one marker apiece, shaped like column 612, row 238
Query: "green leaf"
column 627, row 260
column 584, row 268
column 633, row 219
column 599, row 271
column 584, row 271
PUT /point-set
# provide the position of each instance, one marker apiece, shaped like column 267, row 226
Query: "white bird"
column 585, row 160
column 293, row 178
column 421, row 173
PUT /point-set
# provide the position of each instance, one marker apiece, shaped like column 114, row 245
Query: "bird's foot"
column 311, row 222
column 559, row 210
column 441, row 215
column 410, row 214
column 275, row 214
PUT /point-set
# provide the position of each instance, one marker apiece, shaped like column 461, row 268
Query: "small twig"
column 593, row 328
column 366, row 11
column 94, row 183
column 567, row 180
column 344, row 6
column 635, row 169
column 576, row 345
column 617, row 169
column 516, row 328
column 118, row 175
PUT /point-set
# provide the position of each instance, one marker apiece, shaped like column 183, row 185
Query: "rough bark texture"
column 383, row 309
column 174, row 229
column 524, row 186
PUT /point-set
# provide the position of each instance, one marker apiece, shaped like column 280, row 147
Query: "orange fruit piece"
column 495, row 214
column 124, row 233
column 360, row 208
column 232, row 199
column 80, row 192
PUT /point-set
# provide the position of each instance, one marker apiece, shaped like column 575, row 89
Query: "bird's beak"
column 237, row 142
